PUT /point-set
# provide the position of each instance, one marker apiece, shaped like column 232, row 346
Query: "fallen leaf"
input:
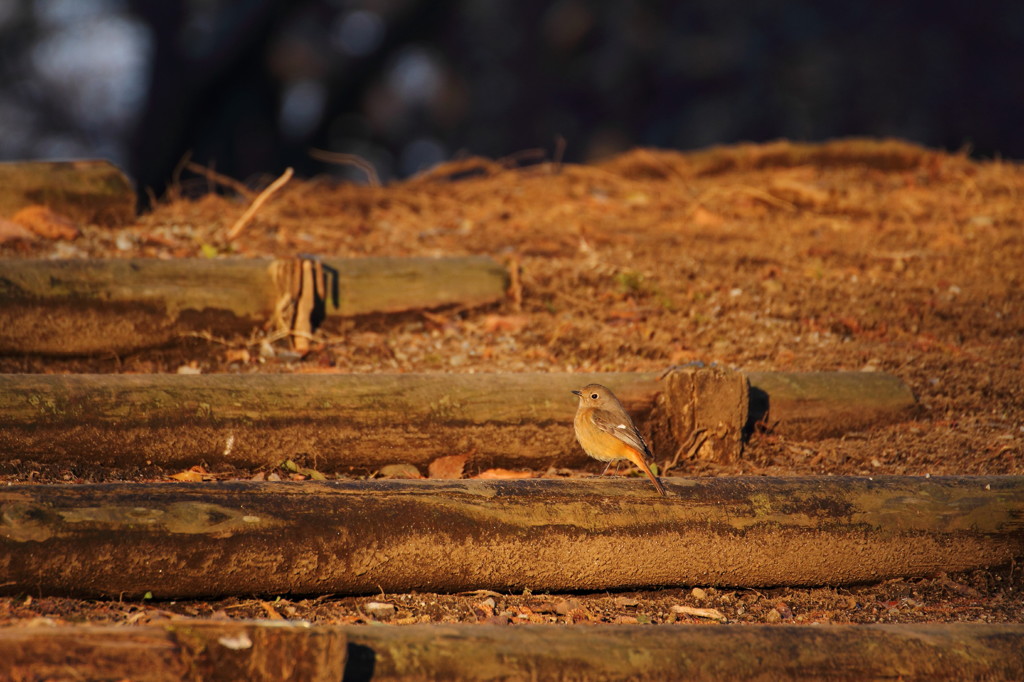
column 448, row 467
column 154, row 239
column 241, row 355
column 504, row 323
column 271, row 611
column 195, row 474
column 543, row 606
column 705, row 218
column 564, row 607
column 12, row 232
column 46, row 222
column 504, row 473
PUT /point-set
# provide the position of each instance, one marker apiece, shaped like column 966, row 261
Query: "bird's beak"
column 579, row 393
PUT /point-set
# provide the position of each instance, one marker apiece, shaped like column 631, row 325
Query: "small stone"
column 399, row 471
column 125, row 241
column 773, row 616
column 379, row 609
column 699, row 594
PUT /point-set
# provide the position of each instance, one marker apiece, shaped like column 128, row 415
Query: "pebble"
column 379, row 609
column 699, row 594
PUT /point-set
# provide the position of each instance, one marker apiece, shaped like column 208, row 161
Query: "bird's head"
column 594, row 395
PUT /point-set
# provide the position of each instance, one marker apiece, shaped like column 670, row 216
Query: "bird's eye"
column 593, row 396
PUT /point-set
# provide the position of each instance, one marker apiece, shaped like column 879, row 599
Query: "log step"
column 180, row 650
column 363, row 422
column 219, row 650
column 182, row 540
column 87, row 191
column 81, row 307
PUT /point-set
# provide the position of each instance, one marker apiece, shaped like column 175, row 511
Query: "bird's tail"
column 650, row 474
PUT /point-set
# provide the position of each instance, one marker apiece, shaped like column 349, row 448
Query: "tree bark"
column 238, row 538
column 363, row 422
column 81, row 307
column 88, row 192
column 180, row 650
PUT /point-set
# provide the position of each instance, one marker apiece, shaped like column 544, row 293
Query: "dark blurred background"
column 250, row 86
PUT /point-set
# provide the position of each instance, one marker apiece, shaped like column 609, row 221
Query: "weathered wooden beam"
column 691, row 652
column 822, row 404
column 236, row 538
column 80, row 307
column 345, row 422
column 179, row 650
column 217, row 650
column 88, row 191
column 332, row 422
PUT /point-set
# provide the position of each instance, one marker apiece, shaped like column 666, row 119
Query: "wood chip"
column 711, row 614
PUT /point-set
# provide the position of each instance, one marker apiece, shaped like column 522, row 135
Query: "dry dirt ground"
column 853, row 255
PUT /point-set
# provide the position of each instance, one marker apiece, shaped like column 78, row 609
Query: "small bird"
column 607, row 433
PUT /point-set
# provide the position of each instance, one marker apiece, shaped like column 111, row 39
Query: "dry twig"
column 242, row 222
column 348, row 160
column 220, row 179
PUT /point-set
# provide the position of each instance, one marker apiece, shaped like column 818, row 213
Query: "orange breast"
column 601, row 444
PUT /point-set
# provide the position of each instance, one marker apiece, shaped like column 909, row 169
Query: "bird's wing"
column 622, row 428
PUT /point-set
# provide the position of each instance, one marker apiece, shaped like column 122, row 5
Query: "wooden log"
column 332, row 422
column 704, row 410
column 152, row 653
column 78, row 307
column 692, row 652
column 240, row 538
column 363, row 422
column 812, row 405
column 180, row 650
column 88, row 191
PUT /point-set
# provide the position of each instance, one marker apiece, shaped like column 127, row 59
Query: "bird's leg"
column 608, row 466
